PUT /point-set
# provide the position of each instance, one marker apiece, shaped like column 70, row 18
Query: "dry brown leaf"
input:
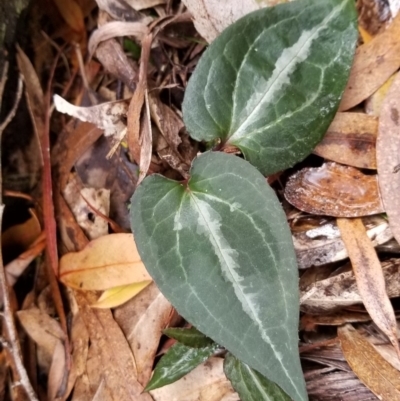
column 373, row 65
column 146, row 141
column 114, row 60
column 341, row 290
column 142, row 320
column 118, row 29
column 369, row 276
column 334, row 190
column 114, row 359
column 56, row 382
column 45, row 331
column 309, row 322
column 370, row 367
column 388, row 156
column 136, row 103
column 205, row 383
column 350, row 140
column 322, row 244
column 106, row 262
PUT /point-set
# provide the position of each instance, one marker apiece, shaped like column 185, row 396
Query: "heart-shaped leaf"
column 271, row 83
column 220, row 250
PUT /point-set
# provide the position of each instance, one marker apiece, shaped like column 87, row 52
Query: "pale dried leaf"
column 119, row 295
column 373, row 105
column 146, row 141
column 388, row 156
column 57, row 372
column 394, row 7
column 107, row 116
column 374, row 63
column 142, row 320
column 369, row 276
column 373, row 370
column 334, row 190
column 106, row 262
column 45, row 331
column 350, row 140
column 211, row 17
column 118, row 29
column 205, row 383
column 323, row 244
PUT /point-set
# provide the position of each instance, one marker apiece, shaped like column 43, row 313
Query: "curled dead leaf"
column 334, row 190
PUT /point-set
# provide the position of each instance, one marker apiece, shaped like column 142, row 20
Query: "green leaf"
column 249, row 384
column 271, row 83
column 178, row 361
column 219, row 248
column 190, row 337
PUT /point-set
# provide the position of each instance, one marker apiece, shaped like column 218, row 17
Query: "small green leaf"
column 271, row 83
column 219, row 248
column 251, row 385
column 190, row 337
column 178, row 361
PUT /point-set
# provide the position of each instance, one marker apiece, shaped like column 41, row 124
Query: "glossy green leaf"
column 251, row 385
column 178, row 361
column 190, row 337
column 271, row 83
column 219, row 248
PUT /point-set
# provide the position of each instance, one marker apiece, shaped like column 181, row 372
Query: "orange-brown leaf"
column 369, row 276
column 370, row 367
column 334, row 190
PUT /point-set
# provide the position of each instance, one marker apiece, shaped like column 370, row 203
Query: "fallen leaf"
column 56, row 382
column 388, row 156
column 142, row 320
column 205, row 383
column 373, row 65
column 309, row 322
column 350, row 140
column 107, row 116
column 341, row 290
column 323, row 244
column 369, row 276
column 118, row 29
column 72, row 14
column 106, row 262
column 334, row 190
column 370, row 367
column 211, row 17
column 119, row 295
column 114, row 360
column 373, row 105
column 45, row 331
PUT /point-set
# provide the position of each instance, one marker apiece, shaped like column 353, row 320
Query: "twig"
column 7, row 314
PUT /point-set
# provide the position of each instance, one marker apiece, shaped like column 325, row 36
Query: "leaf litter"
column 113, row 350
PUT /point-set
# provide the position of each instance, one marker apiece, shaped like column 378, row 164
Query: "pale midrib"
column 255, row 317
column 241, row 130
